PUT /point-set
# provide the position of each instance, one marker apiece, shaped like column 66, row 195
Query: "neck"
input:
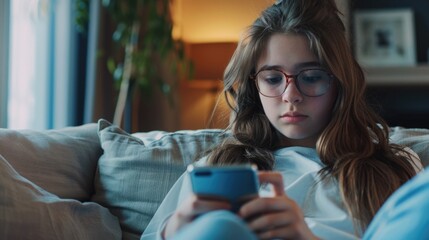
column 308, row 142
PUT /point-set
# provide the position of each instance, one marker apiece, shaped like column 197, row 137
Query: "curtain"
column 4, row 56
column 99, row 95
column 63, row 60
column 91, row 62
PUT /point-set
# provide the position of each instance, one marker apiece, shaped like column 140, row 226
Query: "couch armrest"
column 61, row 161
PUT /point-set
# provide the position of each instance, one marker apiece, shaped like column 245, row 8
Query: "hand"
column 189, row 210
column 275, row 217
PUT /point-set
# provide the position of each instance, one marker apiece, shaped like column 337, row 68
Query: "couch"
column 96, row 181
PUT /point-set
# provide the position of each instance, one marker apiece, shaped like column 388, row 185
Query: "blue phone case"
column 236, row 184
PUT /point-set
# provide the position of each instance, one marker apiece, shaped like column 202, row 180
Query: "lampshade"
column 203, row 21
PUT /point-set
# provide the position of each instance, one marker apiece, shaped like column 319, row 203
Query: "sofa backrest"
column 129, row 174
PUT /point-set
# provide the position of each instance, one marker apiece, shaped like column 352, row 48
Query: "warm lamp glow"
column 210, row 59
column 210, row 30
column 204, row 21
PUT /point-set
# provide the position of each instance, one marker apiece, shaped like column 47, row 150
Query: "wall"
column 199, row 95
column 400, row 94
column 215, row 21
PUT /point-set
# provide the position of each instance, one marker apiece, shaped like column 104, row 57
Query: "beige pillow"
column 29, row 212
column 62, row 162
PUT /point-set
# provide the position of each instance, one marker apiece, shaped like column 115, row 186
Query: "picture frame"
column 385, row 37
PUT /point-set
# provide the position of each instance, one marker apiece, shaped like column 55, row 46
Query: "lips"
column 293, row 117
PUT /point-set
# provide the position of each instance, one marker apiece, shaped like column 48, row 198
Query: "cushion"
column 61, row 161
column 29, row 212
column 137, row 170
column 415, row 138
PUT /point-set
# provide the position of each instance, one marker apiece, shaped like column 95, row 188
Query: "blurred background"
column 158, row 65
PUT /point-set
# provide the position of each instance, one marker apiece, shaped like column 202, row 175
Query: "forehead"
column 286, row 50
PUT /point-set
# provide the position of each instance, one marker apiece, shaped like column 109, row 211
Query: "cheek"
column 268, row 104
column 323, row 108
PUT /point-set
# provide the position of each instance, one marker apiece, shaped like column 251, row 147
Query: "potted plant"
column 147, row 58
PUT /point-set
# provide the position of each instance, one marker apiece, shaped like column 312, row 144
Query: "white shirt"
column 320, row 201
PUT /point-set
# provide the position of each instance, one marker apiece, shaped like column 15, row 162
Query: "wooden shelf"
column 418, row 75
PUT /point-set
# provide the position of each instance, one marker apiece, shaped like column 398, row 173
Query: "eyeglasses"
column 310, row 82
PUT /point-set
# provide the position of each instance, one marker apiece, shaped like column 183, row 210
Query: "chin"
column 295, row 135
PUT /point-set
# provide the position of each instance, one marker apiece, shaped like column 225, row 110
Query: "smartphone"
column 236, row 184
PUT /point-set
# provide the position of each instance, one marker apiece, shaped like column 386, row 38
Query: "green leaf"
column 117, row 74
column 166, row 88
column 106, row 3
column 119, row 32
column 155, row 44
column 111, row 65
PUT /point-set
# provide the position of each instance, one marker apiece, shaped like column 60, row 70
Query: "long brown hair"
column 354, row 146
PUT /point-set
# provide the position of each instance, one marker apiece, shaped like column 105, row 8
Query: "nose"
column 292, row 94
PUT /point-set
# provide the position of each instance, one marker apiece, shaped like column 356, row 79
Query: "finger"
column 270, row 221
column 279, row 233
column 275, row 178
column 295, row 230
column 203, row 205
column 261, row 206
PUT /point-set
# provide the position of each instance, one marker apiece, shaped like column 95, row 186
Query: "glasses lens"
column 313, row 82
column 271, row 83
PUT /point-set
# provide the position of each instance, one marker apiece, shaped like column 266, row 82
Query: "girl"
column 301, row 117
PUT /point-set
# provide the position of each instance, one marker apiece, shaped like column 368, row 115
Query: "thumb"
column 274, row 178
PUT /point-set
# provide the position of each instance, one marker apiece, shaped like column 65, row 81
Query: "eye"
column 313, row 76
column 273, row 80
column 270, row 77
column 311, row 79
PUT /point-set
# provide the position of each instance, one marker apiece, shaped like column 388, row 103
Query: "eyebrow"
column 295, row 67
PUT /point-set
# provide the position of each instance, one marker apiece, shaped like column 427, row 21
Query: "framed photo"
column 385, row 37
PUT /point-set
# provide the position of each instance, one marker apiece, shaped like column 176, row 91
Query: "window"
column 40, row 86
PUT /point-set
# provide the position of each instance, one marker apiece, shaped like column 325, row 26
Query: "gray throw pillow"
column 137, row 170
column 415, row 138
